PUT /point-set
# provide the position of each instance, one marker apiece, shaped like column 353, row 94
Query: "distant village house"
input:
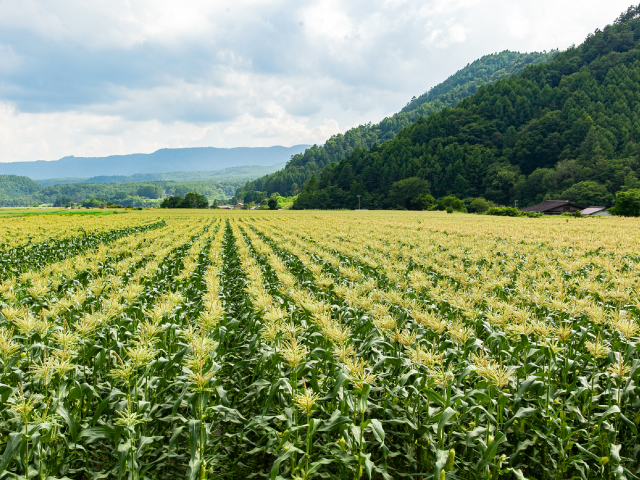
column 558, row 207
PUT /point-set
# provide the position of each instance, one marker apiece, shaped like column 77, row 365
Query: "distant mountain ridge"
column 161, row 161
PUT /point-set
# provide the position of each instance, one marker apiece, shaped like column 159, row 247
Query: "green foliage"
column 627, row 203
column 424, row 201
column 273, row 203
column 190, row 200
column 478, row 205
column 195, row 200
column 533, row 214
column 632, row 12
column 410, row 193
column 16, row 186
column 528, row 137
column 232, row 174
column 172, row 202
column 94, row 202
column 63, row 202
column 465, row 82
column 452, row 202
column 504, row 212
column 588, row 193
column 134, row 194
column 149, row 191
column 281, row 351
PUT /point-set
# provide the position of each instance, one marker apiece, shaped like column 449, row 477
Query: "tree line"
column 19, row 191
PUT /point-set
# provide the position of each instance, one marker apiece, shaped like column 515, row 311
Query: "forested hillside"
column 569, row 128
column 22, row 191
column 236, row 174
column 14, row 186
column 134, row 193
column 465, row 82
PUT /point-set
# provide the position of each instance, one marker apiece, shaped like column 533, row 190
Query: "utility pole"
column 359, row 201
column 516, row 203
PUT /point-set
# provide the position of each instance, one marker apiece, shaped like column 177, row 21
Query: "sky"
column 106, row 77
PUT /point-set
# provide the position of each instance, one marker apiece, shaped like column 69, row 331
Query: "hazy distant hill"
column 246, row 172
column 161, row 161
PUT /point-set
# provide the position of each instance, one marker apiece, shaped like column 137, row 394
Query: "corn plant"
column 211, row 345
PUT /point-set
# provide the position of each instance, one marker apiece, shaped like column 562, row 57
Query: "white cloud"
column 120, row 76
column 48, row 136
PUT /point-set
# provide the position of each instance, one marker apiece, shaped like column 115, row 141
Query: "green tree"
column 424, row 201
column 588, row 193
column 149, row 191
column 453, row 203
column 63, row 202
column 273, row 203
column 627, row 203
column 195, row 200
column 94, row 202
column 172, row 202
column 404, row 192
column 479, row 205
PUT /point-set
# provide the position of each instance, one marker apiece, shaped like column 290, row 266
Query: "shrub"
column 453, row 202
column 449, row 209
column 94, row 202
column 504, row 212
column 533, row 214
column 424, row 201
column 479, row 205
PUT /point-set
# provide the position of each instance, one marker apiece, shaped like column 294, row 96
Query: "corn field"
column 281, row 345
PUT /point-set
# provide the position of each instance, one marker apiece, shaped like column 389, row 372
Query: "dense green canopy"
column 19, row 191
column 465, row 82
column 542, row 133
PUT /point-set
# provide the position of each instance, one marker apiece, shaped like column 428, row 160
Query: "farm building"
column 596, row 211
column 554, row 207
column 558, row 207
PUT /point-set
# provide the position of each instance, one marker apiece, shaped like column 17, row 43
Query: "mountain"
column 130, row 193
column 567, row 129
column 12, row 186
column 22, row 191
column 465, row 82
column 246, row 172
column 161, row 161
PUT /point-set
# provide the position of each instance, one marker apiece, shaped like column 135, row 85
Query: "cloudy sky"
column 102, row 77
